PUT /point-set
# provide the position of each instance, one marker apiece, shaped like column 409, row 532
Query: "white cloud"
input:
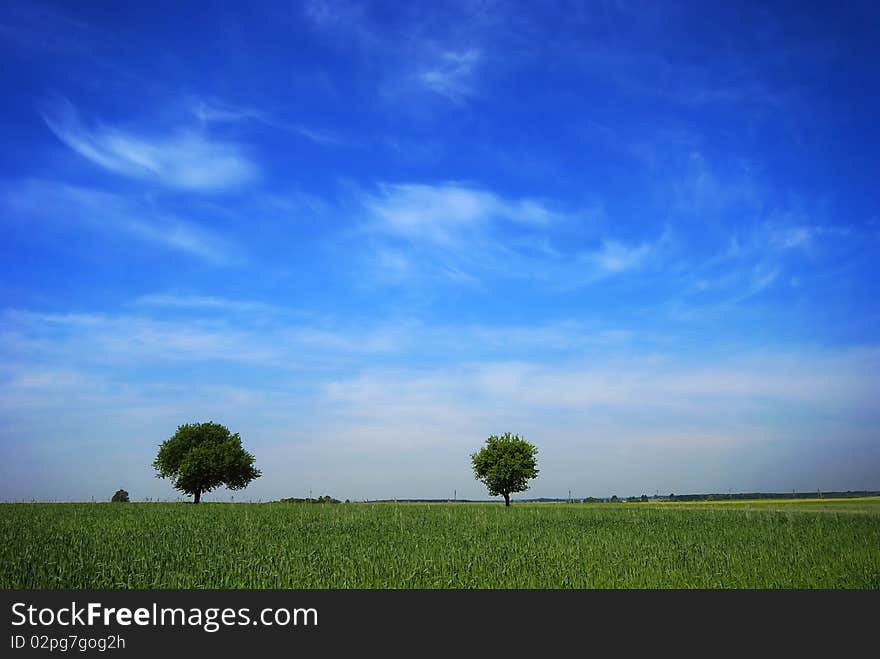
column 460, row 233
column 42, row 27
column 222, row 331
column 66, row 379
column 434, row 213
column 776, row 387
column 758, row 255
column 614, row 257
column 444, row 212
column 104, row 339
column 702, row 189
column 47, row 201
column 794, row 237
column 341, row 15
column 316, row 135
column 784, row 234
column 184, row 159
column 454, row 374
column 451, row 74
column 195, row 302
column 212, row 111
column 440, row 57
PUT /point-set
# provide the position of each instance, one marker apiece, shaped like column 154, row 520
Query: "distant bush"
column 121, row 496
column 323, row 499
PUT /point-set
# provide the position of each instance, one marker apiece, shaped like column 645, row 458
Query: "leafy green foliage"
column 120, row 496
column 505, row 465
column 200, row 457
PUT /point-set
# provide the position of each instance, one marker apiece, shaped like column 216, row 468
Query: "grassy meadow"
column 766, row 544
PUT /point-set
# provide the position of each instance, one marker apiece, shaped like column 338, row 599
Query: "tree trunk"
column 506, row 499
column 198, row 495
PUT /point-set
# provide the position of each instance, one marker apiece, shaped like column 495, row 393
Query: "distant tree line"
column 321, row 499
column 737, row 496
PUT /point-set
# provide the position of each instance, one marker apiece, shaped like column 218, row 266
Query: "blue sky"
column 367, row 236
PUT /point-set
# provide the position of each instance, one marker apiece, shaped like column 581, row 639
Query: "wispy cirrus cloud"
column 442, row 213
column 832, row 381
column 194, row 329
column 804, row 235
column 462, row 233
column 451, row 74
column 90, row 340
column 614, row 257
column 439, row 56
column 378, row 401
column 43, row 27
column 703, row 190
column 106, row 212
column 213, row 111
column 592, row 376
column 184, row 158
column 202, row 302
column 345, row 17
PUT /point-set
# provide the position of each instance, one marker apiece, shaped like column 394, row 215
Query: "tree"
column 121, row 496
column 200, row 457
column 505, row 465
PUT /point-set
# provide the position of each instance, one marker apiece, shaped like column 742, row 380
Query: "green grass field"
column 815, row 544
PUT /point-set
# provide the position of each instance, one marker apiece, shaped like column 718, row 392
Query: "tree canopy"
column 505, row 465
column 120, row 496
column 200, row 457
